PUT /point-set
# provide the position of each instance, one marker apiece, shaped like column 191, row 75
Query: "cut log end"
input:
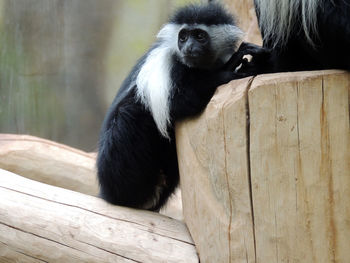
column 265, row 170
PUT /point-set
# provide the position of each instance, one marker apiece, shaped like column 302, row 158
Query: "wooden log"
column 216, row 212
column 49, row 162
column 43, row 223
column 60, row 165
column 301, row 160
column 265, row 170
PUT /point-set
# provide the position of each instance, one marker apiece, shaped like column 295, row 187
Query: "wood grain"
column 213, row 165
column 43, row 223
column 265, row 170
column 49, row 162
column 299, row 145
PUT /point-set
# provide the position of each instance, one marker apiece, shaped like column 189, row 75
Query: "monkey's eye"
column 201, row 36
column 183, row 36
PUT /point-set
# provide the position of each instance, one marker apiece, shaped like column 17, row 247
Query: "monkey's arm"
column 191, row 98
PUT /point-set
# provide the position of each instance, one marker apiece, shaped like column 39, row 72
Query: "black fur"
column 134, row 159
column 212, row 14
column 331, row 42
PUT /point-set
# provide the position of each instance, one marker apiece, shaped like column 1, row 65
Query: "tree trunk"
column 265, row 170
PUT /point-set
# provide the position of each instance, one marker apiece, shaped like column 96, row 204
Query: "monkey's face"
column 195, row 48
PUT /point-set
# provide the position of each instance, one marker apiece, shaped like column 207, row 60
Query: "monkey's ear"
column 168, row 33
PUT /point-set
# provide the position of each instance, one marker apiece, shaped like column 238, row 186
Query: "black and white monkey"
column 137, row 163
column 305, row 34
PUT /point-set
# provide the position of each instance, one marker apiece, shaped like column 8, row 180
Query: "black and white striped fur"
column 137, row 161
column 305, row 34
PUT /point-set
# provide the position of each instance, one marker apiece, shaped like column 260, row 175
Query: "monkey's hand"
column 260, row 61
column 260, row 58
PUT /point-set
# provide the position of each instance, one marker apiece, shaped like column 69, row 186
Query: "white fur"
column 225, row 39
column 154, row 82
column 278, row 16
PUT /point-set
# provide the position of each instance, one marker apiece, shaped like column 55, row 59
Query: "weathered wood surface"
column 43, row 223
column 60, row 165
column 49, row 162
column 265, row 170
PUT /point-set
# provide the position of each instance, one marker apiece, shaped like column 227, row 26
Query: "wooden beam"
column 300, row 166
column 214, row 172
column 265, row 170
column 49, row 162
column 43, row 223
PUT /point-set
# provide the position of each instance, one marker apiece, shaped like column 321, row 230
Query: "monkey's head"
column 202, row 36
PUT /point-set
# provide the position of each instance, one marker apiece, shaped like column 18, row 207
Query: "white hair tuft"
column 277, row 18
column 154, row 82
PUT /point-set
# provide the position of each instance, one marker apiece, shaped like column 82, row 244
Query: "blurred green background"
column 62, row 62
